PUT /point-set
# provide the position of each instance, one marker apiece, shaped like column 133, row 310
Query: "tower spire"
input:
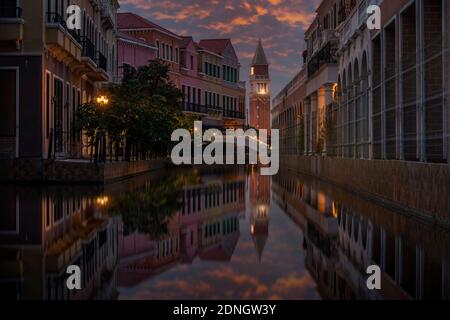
column 260, row 57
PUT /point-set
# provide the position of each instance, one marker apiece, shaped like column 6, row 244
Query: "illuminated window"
column 252, row 71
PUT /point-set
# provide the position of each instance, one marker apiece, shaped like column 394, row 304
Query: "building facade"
column 207, row 72
column 133, row 52
column 378, row 94
column 224, row 92
column 259, row 90
column 167, row 42
column 288, row 115
column 47, row 70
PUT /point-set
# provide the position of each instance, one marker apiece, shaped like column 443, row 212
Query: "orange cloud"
column 293, row 18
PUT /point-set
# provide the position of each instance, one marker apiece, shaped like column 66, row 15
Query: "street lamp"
column 103, row 100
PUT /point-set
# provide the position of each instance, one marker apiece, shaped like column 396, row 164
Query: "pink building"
column 133, row 51
column 191, row 82
column 167, row 43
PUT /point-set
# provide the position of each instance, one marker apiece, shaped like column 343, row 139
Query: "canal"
column 207, row 233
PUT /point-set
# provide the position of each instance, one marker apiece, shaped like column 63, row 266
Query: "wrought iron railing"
column 88, row 49
column 10, row 12
column 233, row 114
column 102, row 62
column 54, row 17
column 326, row 55
column 194, row 107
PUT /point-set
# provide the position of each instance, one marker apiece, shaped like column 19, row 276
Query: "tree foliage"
column 142, row 114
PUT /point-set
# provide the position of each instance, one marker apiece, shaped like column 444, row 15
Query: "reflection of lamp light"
column 252, row 229
column 102, row 201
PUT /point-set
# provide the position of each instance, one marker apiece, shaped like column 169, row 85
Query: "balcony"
column 354, row 22
column 62, row 42
column 233, row 114
column 322, row 40
column 326, row 55
column 107, row 14
column 194, row 107
column 11, row 24
column 88, row 51
column 93, row 63
column 259, row 77
column 102, row 62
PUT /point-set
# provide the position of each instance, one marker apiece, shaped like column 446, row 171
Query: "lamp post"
column 103, row 101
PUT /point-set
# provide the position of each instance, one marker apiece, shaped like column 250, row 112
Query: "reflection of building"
column 142, row 257
column 344, row 235
column 206, row 226
column 42, row 232
column 259, row 206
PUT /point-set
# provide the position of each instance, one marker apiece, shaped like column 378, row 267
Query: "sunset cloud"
column 280, row 24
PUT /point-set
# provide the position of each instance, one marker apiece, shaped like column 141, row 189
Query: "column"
column 315, row 126
column 328, row 99
column 306, row 126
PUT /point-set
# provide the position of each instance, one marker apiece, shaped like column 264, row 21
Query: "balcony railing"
column 233, row 114
column 56, row 18
column 107, row 11
column 88, row 49
column 102, row 62
column 10, row 12
column 194, row 107
column 327, row 55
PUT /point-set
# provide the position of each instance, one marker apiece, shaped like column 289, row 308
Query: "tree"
column 143, row 112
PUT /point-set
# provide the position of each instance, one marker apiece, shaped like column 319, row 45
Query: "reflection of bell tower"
column 259, row 90
column 259, row 203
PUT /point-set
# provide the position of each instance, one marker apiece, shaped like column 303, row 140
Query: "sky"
column 279, row 23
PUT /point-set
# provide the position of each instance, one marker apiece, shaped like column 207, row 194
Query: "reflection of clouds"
column 281, row 275
column 235, row 278
column 279, row 22
column 284, row 286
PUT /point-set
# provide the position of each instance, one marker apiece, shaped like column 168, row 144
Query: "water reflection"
column 210, row 234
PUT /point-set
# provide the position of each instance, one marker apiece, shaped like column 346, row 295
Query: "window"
column 47, row 103
column 8, row 109
column 158, row 54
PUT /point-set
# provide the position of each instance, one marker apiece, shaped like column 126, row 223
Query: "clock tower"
column 260, row 90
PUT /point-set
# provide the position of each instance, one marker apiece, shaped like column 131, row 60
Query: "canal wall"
column 421, row 188
column 73, row 171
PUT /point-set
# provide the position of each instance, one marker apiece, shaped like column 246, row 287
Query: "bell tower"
column 260, row 90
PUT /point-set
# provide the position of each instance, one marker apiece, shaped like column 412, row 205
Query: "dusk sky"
column 280, row 24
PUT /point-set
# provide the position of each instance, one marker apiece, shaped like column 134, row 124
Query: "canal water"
column 214, row 234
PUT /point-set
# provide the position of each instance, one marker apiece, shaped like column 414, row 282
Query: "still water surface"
column 208, row 234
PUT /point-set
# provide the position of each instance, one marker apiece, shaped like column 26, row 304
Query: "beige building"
column 47, row 70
